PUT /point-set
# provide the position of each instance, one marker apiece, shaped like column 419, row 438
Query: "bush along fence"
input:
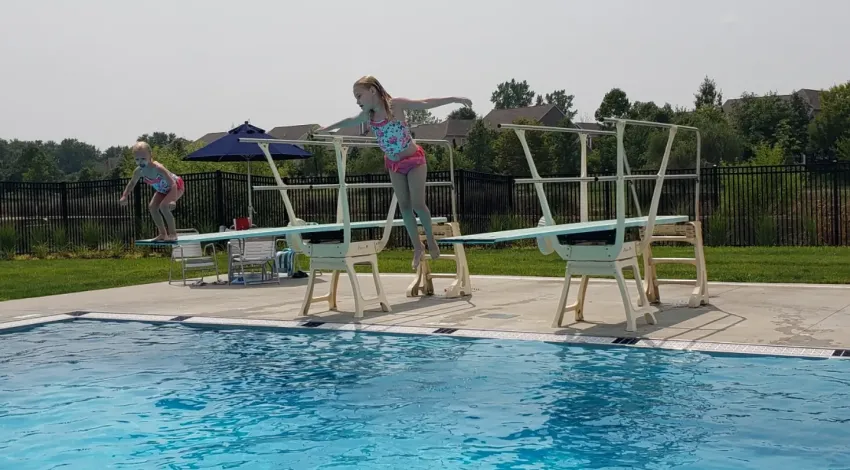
column 739, row 206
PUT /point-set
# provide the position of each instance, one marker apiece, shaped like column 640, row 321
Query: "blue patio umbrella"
column 228, row 149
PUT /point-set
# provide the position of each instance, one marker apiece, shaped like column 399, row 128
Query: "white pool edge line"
column 561, row 279
column 572, row 339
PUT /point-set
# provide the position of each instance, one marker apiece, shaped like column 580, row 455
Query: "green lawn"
column 33, row 278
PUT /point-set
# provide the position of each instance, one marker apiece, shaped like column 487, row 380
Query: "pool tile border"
column 632, row 342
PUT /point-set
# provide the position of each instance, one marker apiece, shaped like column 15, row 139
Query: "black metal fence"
column 742, row 206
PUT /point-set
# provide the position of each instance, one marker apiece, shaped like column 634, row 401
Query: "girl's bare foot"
column 434, row 250
column 417, row 256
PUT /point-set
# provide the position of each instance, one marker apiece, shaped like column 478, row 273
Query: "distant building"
column 809, row 96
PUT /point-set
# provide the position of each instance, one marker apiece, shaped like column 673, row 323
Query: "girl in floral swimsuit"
column 167, row 186
column 404, row 158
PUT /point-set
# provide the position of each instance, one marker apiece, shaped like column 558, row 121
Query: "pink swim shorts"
column 404, row 165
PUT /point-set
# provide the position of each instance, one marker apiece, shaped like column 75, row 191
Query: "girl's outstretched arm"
column 137, row 173
column 429, row 103
column 349, row 121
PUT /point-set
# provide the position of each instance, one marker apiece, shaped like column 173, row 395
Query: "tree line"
column 763, row 129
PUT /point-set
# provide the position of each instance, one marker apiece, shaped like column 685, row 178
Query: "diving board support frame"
column 587, row 258
column 422, row 283
column 687, row 232
column 691, row 233
column 334, row 254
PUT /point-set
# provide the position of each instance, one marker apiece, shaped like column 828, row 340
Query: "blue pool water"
column 91, row 394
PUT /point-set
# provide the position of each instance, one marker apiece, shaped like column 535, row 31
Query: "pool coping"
column 586, row 340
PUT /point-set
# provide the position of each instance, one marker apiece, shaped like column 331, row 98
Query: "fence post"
column 460, row 184
column 137, row 209
column 219, row 199
column 66, row 222
column 836, row 205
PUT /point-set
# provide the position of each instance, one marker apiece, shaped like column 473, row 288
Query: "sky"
column 107, row 71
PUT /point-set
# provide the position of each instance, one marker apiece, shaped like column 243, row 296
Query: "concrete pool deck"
column 781, row 315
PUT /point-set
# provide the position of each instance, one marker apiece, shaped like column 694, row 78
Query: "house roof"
column 443, row 130
column 811, row 97
column 589, row 126
column 210, row 137
column 292, row 132
column 507, row 116
column 359, row 130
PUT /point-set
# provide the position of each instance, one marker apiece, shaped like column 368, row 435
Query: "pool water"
column 94, row 394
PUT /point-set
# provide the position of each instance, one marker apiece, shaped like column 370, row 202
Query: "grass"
column 826, row 265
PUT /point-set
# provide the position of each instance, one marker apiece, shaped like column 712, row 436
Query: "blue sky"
column 107, row 71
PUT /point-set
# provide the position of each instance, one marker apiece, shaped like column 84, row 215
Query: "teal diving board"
column 275, row 232
column 561, row 229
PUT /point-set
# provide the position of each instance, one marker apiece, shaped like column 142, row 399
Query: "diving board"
column 585, row 246
column 275, row 232
column 492, row 238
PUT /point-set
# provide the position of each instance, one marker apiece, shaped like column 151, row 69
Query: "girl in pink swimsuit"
column 167, row 186
column 404, row 158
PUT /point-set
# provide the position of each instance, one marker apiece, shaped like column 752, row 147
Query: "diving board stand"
column 594, row 248
column 423, row 281
column 333, row 248
column 690, row 233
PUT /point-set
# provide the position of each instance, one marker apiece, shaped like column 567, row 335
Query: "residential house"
column 297, row 132
column 545, row 114
column 590, row 126
column 210, row 137
column 810, row 97
column 454, row 131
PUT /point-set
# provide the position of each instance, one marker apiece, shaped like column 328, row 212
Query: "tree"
column 479, row 147
column 464, row 112
column 758, row 119
column 418, row 117
column 615, row 104
column 510, row 156
column 649, row 111
column 564, row 150
column 512, row 94
column 708, row 95
column 563, row 102
column 323, row 162
column 795, row 140
column 72, row 155
column 8, row 160
column 88, row 173
column 162, row 139
column 40, row 166
column 113, row 158
column 830, row 131
column 720, row 142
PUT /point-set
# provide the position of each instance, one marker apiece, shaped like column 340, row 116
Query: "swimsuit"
column 394, row 137
column 162, row 185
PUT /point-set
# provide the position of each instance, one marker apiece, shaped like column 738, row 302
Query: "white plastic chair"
column 255, row 252
column 192, row 256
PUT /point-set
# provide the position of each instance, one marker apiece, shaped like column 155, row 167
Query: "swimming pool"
column 95, row 394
